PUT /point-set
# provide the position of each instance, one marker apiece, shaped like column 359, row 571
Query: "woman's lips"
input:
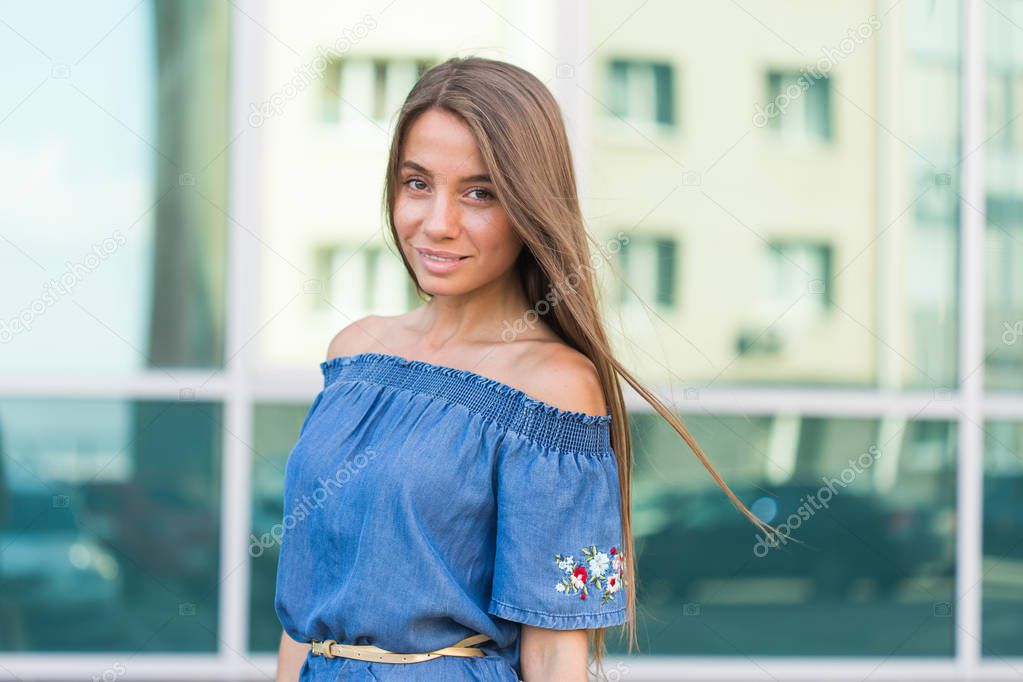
column 437, row 265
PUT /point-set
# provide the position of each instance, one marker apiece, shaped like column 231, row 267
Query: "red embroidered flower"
column 592, row 571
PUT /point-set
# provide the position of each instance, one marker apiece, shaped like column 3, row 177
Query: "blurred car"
column 47, row 560
column 1003, row 516
column 155, row 532
column 701, row 536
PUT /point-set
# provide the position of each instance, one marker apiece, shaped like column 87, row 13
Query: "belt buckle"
column 323, row 648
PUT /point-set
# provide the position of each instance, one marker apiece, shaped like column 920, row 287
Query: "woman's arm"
column 569, row 380
column 290, row 658
column 553, row 655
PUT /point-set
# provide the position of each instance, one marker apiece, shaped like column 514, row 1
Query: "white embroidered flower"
column 567, row 564
column 577, row 582
column 616, row 563
column 560, row 587
column 613, row 584
column 598, row 564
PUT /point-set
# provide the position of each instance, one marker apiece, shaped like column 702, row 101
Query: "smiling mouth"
column 441, row 259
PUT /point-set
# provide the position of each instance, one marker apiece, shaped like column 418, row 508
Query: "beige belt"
column 328, row 648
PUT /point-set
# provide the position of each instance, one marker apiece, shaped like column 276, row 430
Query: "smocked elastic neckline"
column 554, row 426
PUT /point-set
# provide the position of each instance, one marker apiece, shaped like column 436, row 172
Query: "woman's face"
column 446, row 203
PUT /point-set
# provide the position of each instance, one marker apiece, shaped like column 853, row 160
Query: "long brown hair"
column 521, row 136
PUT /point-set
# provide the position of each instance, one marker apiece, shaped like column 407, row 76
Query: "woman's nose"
column 443, row 219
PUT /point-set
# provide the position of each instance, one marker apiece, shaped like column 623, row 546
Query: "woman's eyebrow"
column 419, row 169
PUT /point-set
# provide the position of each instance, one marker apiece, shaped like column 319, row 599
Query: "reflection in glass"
column 1003, row 150
column 109, row 525
column 114, row 223
column 277, row 428
column 813, row 193
column 1003, row 538
column 873, row 502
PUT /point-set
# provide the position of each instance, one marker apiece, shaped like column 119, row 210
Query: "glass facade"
column 115, row 221
column 1003, row 538
column 872, row 503
column 1003, row 252
column 109, row 533
column 785, row 220
column 276, row 428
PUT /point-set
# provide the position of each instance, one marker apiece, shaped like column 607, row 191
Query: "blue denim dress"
column 425, row 503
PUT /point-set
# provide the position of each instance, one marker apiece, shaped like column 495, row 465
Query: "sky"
column 77, row 96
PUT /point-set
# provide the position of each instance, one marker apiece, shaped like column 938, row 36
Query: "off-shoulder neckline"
column 499, row 387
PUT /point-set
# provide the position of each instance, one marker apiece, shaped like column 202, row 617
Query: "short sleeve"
column 558, row 558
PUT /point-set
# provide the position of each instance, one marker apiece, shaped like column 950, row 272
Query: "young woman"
column 457, row 503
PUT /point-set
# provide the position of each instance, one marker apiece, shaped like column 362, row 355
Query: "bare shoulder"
column 562, row 376
column 360, row 336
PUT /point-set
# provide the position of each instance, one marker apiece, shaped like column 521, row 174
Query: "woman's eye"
column 420, row 185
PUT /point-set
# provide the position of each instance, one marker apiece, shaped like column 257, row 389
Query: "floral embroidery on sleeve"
column 603, row 570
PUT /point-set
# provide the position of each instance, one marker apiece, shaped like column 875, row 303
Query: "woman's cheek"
column 404, row 217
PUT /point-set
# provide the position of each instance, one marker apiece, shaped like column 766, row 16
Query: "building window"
column 650, row 265
column 363, row 280
column 368, row 89
column 795, row 293
column 1005, row 101
column 799, row 105
column 795, row 269
column 642, row 92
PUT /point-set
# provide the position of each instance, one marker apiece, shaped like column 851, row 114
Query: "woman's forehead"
column 440, row 142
